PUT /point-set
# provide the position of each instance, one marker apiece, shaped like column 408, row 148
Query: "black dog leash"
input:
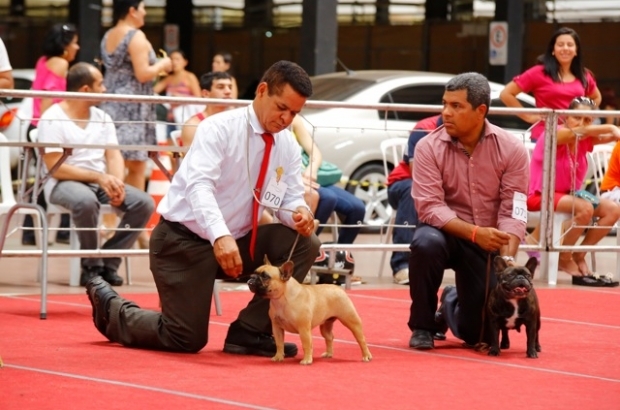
column 481, row 345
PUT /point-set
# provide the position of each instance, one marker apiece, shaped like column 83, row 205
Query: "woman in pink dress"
column 575, row 138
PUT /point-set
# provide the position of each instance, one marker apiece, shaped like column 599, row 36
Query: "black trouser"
column 433, row 251
column 184, row 268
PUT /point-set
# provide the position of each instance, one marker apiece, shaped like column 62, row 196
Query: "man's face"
column 219, row 89
column 276, row 112
column 459, row 117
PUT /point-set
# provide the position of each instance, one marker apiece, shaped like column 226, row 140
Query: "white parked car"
column 15, row 113
column 350, row 138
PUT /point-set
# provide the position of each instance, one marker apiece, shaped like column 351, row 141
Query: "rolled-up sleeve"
column 515, row 180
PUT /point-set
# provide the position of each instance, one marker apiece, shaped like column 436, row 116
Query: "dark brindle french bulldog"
column 513, row 303
column 298, row 308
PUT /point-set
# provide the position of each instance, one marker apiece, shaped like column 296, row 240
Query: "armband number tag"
column 519, row 207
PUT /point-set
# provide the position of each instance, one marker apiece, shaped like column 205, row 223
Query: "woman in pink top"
column 59, row 50
column 575, row 138
column 554, row 82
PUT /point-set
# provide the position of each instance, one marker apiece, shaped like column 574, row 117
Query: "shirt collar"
column 486, row 132
column 257, row 128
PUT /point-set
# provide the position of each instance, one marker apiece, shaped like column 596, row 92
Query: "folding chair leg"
column 216, row 298
column 127, row 271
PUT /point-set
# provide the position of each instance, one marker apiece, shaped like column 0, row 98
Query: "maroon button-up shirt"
column 479, row 189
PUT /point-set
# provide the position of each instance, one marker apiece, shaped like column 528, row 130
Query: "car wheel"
column 368, row 184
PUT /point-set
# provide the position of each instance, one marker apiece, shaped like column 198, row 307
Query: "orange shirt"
column 612, row 175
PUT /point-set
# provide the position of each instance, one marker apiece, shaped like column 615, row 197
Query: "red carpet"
column 63, row 362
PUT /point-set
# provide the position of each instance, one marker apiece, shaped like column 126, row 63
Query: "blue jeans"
column 83, row 200
column 400, row 199
column 350, row 209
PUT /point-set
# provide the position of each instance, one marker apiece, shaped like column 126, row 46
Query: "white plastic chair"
column 599, row 159
column 392, row 150
column 549, row 260
column 8, row 198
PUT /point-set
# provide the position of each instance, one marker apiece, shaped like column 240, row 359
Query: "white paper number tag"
column 273, row 194
column 519, row 207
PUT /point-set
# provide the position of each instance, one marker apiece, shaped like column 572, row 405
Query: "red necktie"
column 268, row 138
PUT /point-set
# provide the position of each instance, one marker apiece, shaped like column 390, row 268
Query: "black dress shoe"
column 100, row 294
column 242, row 341
column 421, row 340
column 439, row 317
column 110, row 276
column 89, row 272
column 587, row 281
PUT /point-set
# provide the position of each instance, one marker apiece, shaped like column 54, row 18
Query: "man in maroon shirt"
column 469, row 183
column 401, row 201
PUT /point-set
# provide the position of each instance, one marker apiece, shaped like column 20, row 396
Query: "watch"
column 508, row 258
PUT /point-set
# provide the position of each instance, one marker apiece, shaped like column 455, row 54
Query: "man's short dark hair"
column 206, row 80
column 80, row 75
column 477, row 87
column 286, row 72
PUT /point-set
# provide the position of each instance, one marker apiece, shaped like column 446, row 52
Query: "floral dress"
column 135, row 122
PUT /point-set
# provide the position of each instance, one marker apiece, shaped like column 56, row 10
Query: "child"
column 575, row 138
column 179, row 83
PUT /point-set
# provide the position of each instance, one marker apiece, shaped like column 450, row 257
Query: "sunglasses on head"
column 583, row 101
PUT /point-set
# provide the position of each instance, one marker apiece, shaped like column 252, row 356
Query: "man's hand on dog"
column 491, row 239
column 305, row 223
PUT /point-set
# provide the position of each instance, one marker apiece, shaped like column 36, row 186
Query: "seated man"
column 90, row 177
column 401, row 201
column 216, row 84
column 470, row 180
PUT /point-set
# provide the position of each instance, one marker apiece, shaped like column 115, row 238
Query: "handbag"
column 328, row 173
column 583, row 194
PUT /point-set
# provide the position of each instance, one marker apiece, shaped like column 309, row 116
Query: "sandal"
column 589, row 280
column 607, row 280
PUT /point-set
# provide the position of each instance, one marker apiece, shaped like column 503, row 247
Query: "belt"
column 182, row 229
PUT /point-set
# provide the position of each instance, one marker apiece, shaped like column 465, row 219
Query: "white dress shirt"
column 211, row 193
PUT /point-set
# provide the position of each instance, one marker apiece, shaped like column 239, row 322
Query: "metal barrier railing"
column 545, row 245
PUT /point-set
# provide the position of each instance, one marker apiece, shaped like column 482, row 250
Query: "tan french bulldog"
column 298, row 308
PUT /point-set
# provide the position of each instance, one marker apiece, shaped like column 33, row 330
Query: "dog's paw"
column 494, row 351
column 367, row 358
column 538, row 349
column 532, row 354
column 327, row 355
column 504, row 345
column 306, row 362
column 278, row 358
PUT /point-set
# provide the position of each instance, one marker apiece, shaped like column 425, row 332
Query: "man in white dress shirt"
column 90, row 177
column 206, row 229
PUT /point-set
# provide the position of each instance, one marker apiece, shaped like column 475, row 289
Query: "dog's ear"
column 266, row 260
column 286, row 270
column 500, row 264
column 531, row 265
